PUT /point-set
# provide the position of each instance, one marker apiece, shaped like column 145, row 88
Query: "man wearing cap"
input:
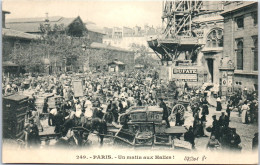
column 32, row 134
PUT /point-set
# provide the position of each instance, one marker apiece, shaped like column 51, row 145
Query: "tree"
column 142, row 56
column 61, row 49
column 53, row 44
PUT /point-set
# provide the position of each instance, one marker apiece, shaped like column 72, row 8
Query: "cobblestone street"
column 246, row 132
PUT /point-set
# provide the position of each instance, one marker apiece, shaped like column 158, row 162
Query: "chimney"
column 3, row 17
column 47, row 17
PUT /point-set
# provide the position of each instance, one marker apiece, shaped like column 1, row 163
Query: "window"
column 255, row 50
column 215, row 38
column 254, row 16
column 239, row 54
column 240, row 22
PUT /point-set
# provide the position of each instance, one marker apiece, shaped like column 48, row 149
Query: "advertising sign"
column 185, row 74
column 230, row 81
column 78, row 88
column 224, row 74
column 224, row 82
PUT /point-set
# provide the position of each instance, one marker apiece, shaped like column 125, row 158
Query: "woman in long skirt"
column 244, row 116
column 219, row 106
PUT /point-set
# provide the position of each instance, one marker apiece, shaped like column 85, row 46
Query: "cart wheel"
column 178, row 107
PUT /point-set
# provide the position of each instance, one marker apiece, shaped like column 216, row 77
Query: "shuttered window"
column 240, row 55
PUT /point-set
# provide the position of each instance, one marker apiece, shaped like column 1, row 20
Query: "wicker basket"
column 144, row 139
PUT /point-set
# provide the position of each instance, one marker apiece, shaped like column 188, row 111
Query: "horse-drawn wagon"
column 145, row 127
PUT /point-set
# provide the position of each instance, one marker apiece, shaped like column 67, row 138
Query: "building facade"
column 208, row 29
column 126, row 37
column 241, row 42
column 12, row 39
column 101, row 55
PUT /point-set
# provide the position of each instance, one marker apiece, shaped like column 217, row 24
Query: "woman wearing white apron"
column 245, row 109
column 88, row 112
column 78, row 110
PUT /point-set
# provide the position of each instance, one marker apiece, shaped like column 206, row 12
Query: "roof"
column 5, row 12
column 97, row 45
column 33, row 24
column 18, row 34
column 8, row 63
column 94, row 28
column 16, row 97
column 235, row 8
column 117, row 63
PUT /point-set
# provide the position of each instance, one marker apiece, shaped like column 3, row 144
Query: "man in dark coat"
column 59, row 121
column 33, row 137
column 189, row 136
column 102, row 131
column 255, row 142
column 234, row 140
column 223, row 120
column 178, row 119
column 215, row 127
column 228, row 110
column 165, row 112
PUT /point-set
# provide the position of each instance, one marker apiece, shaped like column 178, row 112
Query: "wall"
column 8, row 46
column 95, row 37
column 101, row 57
column 209, row 22
column 247, row 76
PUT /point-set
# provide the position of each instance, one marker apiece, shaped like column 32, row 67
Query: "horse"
column 79, row 128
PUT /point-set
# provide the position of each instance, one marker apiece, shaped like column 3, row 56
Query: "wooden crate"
column 154, row 114
column 124, row 137
column 162, row 140
column 159, row 128
column 138, row 116
column 136, row 127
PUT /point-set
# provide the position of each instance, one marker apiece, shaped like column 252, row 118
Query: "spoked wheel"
column 178, row 107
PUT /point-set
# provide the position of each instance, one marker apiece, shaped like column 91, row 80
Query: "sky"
column 104, row 13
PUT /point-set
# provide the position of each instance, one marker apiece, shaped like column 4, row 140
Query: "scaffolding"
column 178, row 36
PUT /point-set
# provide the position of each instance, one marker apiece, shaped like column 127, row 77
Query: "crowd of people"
column 107, row 96
column 222, row 136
